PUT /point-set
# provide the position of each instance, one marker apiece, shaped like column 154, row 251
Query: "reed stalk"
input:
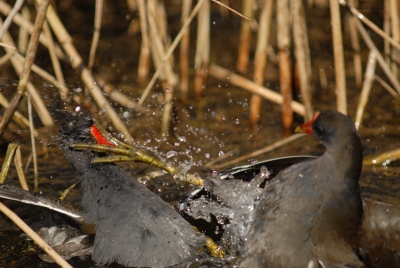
column 96, row 32
column 302, row 53
column 35, row 237
column 76, row 61
column 355, row 43
column 394, row 17
column 386, row 29
column 244, row 83
column 5, row 9
column 285, row 65
column 340, row 75
column 260, row 59
column 380, row 59
column 366, row 89
column 245, row 38
column 144, row 56
column 20, row 169
column 170, row 51
column 25, row 71
column 23, row 34
column 184, row 52
column 56, row 65
column 202, row 56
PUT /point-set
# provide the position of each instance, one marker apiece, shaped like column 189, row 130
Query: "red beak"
column 306, row 127
column 99, row 137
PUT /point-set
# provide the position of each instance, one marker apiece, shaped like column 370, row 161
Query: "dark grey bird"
column 134, row 227
column 309, row 214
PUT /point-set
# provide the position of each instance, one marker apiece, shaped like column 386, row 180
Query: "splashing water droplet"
column 171, row 154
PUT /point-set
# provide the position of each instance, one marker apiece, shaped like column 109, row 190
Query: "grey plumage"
column 134, row 227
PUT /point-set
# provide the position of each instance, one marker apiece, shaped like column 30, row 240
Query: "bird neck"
column 80, row 160
column 348, row 154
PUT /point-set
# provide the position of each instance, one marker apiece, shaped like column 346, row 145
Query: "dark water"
column 216, row 125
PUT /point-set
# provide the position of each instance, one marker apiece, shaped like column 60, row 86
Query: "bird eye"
column 318, row 130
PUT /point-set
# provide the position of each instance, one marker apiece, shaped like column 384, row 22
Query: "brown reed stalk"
column 380, row 59
column 12, row 147
column 17, row 6
column 158, row 52
column 245, row 38
column 162, row 26
column 28, row 26
column 167, row 112
column 386, row 29
column 6, row 58
column 340, row 76
column 224, row 5
column 25, row 72
column 133, row 5
column 202, row 56
column 224, row 11
column 184, row 52
column 46, row 76
column 394, row 17
column 366, row 89
column 383, row 159
column 40, row 107
column 239, row 81
column 144, row 56
column 260, row 59
column 96, row 32
column 387, row 87
column 76, row 61
column 23, row 34
column 302, row 53
column 17, row 117
column 370, row 24
column 157, row 44
column 35, row 237
column 285, row 69
column 355, row 43
column 122, row 99
column 20, row 170
column 170, row 51
column 56, row 64
column 33, row 146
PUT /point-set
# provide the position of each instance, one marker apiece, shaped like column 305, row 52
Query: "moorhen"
column 309, row 214
column 134, row 227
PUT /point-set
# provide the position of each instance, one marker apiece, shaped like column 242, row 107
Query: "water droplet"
column 171, row 154
column 181, row 138
column 127, row 114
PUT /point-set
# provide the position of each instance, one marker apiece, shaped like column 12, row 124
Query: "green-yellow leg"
column 131, row 154
column 12, row 147
column 212, row 247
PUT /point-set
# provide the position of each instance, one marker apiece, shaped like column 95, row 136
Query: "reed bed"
column 266, row 26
